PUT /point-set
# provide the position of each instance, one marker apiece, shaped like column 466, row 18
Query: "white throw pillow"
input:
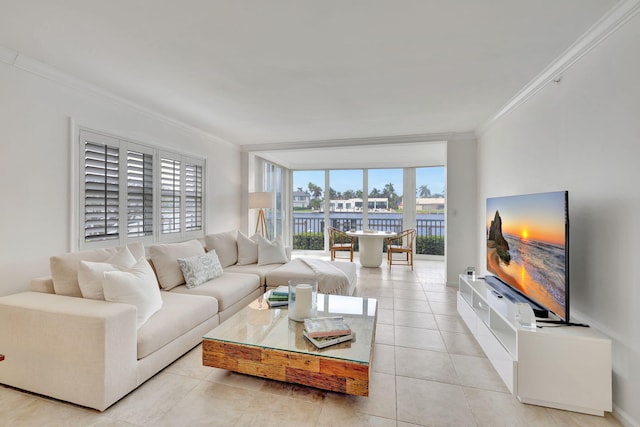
column 165, row 260
column 271, row 252
column 200, row 268
column 136, row 285
column 90, row 274
column 225, row 246
column 247, row 249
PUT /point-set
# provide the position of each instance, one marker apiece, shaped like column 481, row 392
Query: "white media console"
column 564, row 367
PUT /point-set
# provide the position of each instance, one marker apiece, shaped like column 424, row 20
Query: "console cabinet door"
column 566, row 368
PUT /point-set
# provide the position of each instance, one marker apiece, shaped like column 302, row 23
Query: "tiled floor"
column 427, row 371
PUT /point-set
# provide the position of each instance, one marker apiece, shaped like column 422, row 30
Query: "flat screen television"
column 528, row 250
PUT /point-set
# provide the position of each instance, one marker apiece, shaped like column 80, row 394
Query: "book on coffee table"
column 322, row 342
column 326, row 327
column 278, row 297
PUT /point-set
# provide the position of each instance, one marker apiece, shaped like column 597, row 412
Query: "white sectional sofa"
column 74, row 340
column 92, row 352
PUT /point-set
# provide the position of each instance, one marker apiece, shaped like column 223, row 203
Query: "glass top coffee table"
column 264, row 342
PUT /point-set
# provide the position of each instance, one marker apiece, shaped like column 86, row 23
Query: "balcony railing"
column 308, row 232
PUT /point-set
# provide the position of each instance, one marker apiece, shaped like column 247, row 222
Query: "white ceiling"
column 266, row 72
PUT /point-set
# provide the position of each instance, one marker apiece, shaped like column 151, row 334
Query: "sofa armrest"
column 74, row 349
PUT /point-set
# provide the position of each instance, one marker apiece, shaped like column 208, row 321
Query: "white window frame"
column 124, row 146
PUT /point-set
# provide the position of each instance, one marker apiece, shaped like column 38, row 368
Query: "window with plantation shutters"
column 139, row 194
column 134, row 192
column 101, row 192
column 193, row 197
column 170, row 195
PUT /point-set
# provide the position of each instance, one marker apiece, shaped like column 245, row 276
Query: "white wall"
column 582, row 135
column 461, row 251
column 35, row 115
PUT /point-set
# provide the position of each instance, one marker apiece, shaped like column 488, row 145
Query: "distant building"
column 301, row 199
column 355, row 205
column 429, row 203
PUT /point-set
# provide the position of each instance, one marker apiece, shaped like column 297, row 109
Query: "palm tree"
column 315, row 190
column 424, row 191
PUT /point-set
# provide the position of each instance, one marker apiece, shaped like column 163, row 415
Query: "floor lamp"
column 262, row 201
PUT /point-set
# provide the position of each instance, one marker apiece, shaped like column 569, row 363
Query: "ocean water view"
column 539, row 268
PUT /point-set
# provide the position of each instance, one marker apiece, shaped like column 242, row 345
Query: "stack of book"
column 278, row 297
column 326, row 331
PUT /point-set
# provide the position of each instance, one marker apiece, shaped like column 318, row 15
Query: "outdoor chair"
column 401, row 243
column 339, row 241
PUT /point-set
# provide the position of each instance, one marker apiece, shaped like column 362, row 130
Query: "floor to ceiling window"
column 379, row 199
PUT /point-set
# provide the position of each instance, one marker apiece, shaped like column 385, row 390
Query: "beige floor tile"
column 263, row 411
column 406, row 285
column 416, row 295
column 414, row 319
column 446, row 296
column 210, row 404
column 451, row 323
column 425, row 364
column 23, row 409
column 492, row 408
column 574, row 419
column 464, row 344
column 385, row 302
column 426, row 339
column 421, row 306
column 432, row 403
column 443, row 307
column 381, row 401
column 190, row 365
column 384, row 359
column 385, row 315
column 152, row 399
column 477, row 372
column 384, row 334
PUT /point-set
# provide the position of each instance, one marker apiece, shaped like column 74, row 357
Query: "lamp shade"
column 260, row 200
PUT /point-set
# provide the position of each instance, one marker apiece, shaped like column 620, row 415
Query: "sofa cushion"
column 247, row 249
column 225, row 246
column 271, row 252
column 64, row 268
column 90, row 274
column 137, row 286
column 200, row 268
column 165, row 260
column 179, row 314
column 260, row 270
column 228, row 289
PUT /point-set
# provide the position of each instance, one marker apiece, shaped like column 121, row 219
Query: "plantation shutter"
column 170, row 197
column 193, row 197
column 139, row 194
column 101, row 192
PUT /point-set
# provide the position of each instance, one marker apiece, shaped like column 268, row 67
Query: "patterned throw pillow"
column 200, row 268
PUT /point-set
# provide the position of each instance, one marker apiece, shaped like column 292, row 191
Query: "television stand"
column 559, row 367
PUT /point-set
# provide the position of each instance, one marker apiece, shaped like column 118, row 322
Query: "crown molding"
column 618, row 16
column 357, row 142
column 31, row 65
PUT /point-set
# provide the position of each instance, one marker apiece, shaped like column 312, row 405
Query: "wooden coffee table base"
column 307, row 369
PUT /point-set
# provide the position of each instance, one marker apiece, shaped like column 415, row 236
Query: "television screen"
column 528, row 247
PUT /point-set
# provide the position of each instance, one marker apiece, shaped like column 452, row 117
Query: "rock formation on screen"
column 497, row 240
